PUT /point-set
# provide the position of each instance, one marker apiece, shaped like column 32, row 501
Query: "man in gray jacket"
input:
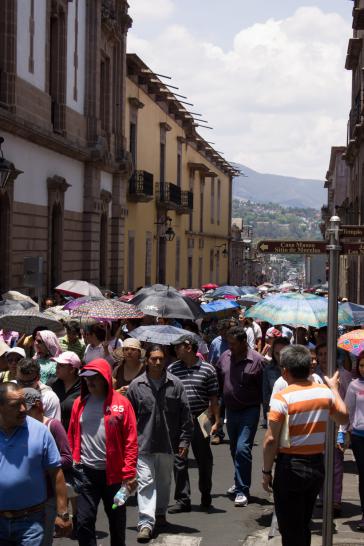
column 165, row 428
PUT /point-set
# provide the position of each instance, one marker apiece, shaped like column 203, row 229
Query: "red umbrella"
column 210, row 286
column 193, row 293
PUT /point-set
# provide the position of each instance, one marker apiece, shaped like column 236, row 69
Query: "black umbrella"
column 156, row 289
column 8, row 306
column 167, row 303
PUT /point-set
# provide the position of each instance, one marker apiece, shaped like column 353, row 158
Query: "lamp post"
column 7, row 169
column 224, row 252
column 169, row 233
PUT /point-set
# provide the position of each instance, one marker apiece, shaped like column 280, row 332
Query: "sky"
column 268, row 76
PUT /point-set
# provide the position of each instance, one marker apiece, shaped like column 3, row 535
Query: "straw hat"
column 118, row 354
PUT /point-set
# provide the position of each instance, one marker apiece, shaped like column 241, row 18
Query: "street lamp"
column 7, row 169
column 169, row 233
column 224, row 251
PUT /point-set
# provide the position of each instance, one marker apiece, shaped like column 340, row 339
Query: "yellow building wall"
column 142, row 217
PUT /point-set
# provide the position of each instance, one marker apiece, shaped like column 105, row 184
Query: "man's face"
column 237, row 347
column 157, row 362
column 13, row 360
column 96, row 385
column 322, row 358
column 27, row 380
column 181, row 351
column 13, row 411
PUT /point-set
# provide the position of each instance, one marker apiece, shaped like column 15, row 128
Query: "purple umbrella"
column 73, row 304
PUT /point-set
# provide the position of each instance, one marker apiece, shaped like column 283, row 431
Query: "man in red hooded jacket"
column 103, row 439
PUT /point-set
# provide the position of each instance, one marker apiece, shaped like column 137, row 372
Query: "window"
column 178, row 261
column 218, row 201
column 212, row 212
column 57, row 67
column 131, row 259
column 190, row 218
column 162, row 254
column 105, row 94
column 211, row 262
column 179, row 164
column 103, row 253
column 200, row 270
column 202, row 204
column 162, row 155
column 189, row 272
column 148, row 259
column 133, row 142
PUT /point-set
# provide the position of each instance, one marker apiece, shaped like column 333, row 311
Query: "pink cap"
column 68, row 357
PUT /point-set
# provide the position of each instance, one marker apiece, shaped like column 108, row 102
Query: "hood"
column 102, row 367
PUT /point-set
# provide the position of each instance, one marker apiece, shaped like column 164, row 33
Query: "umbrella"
column 226, row 291
column 156, row 289
column 14, row 295
column 295, row 309
column 162, row 334
column 353, row 342
column 209, row 286
column 167, row 303
column 245, row 290
column 220, row 307
column 73, row 304
column 106, row 309
column 249, row 300
column 355, row 311
column 26, row 320
column 193, row 293
column 126, row 297
column 56, row 312
column 78, row 288
column 8, row 306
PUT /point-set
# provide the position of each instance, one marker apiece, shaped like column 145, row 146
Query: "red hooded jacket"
column 120, row 428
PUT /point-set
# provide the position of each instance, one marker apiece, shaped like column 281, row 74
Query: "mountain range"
column 286, row 190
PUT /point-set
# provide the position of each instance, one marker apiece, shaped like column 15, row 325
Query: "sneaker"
column 178, row 508
column 360, row 525
column 144, row 534
column 241, row 500
column 216, row 440
column 231, row 491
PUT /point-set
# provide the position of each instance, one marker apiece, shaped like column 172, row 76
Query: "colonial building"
column 62, row 118
column 178, row 226
column 345, row 177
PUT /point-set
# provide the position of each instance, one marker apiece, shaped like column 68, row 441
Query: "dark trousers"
column 203, row 455
column 357, row 445
column 94, row 489
column 242, row 426
column 297, row 482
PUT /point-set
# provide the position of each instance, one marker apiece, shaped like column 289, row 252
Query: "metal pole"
column 334, row 256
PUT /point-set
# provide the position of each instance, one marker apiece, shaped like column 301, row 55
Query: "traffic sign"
column 292, row 247
column 352, row 249
column 352, row 231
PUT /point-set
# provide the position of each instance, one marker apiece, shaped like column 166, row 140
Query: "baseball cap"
column 31, row 396
column 186, row 340
column 17, row 351
column 4, row 348
column 88, row 373
column 273, row 332
column 68, row 357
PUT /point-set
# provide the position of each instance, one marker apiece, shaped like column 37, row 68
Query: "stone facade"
column 62, row 115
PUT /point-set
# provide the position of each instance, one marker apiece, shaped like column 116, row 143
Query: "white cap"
column 18, row 351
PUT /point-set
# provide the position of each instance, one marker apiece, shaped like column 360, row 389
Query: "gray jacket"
column 163, row 416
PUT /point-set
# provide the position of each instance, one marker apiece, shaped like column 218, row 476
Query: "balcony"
column 354, row 50
column 186, row 206
column 358, row 18
column 141, row 187
column 168, row 195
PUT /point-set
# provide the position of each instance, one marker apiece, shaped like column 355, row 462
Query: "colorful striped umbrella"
column 353, row 342
column 295, row 309
column 107, row 310
column 73, row 304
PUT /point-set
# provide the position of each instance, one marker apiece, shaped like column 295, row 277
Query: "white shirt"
column 257, row 331
column 281, row 383
column 250, row 337
column 91, row 353
column 50, row 401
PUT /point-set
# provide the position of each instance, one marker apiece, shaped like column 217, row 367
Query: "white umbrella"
column 78, row 288
column 25, row 321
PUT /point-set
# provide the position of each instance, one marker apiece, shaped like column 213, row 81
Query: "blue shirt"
column 217, row 347
column 24, row 458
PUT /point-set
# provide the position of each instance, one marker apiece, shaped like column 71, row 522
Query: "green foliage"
column 272, row 221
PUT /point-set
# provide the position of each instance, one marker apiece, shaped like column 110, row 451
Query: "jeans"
column 94, row 489
column 203, row 455
column 26, row 531
column 242, row 426
column 297, row 482
column 357, row 445
column 154, row 487
column 50, row 516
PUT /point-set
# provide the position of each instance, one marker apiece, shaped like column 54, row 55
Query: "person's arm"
column 270, row 449
column 215, row 411
column 60, row 492
column 350, row 401
column 186, row 423
column 60, row 436
column 339, row 412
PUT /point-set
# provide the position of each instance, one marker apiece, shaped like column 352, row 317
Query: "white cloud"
column 151, row 10
column 278, row 100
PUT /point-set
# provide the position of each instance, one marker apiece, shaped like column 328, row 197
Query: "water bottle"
column 121, row 497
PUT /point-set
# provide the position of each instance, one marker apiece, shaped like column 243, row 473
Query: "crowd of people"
column 89, row 411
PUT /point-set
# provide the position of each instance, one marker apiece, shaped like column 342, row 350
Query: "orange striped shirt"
column 306, row 409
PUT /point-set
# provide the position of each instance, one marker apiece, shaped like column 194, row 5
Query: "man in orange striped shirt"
column 296, row 435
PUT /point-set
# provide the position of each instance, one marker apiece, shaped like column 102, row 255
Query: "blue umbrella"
column 245, row 290
column 355, row 312
column 226, row 291
column 219, row 306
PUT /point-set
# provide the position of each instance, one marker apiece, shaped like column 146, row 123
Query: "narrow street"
column 225, row 525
